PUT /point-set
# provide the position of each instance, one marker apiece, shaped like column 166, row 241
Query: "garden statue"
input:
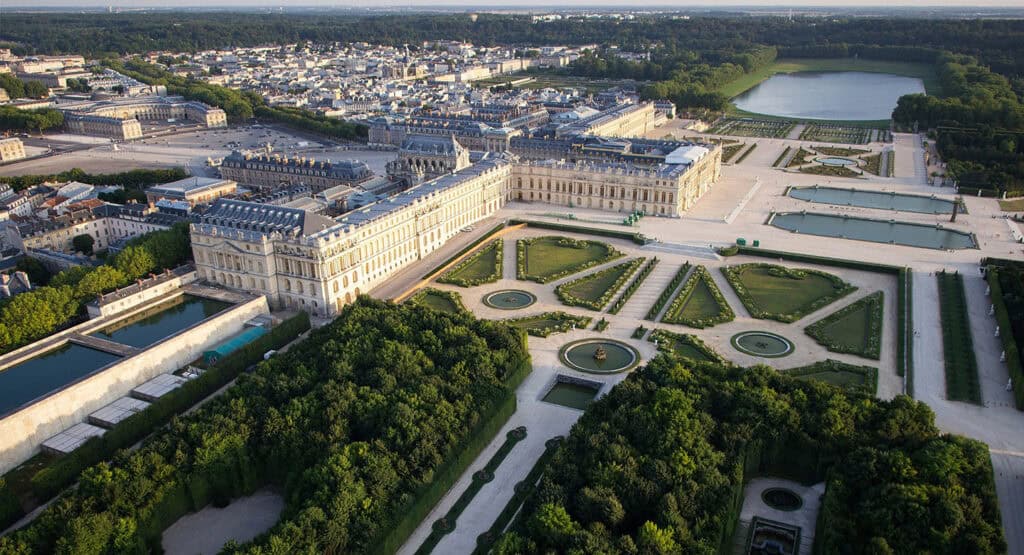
column 600, row 354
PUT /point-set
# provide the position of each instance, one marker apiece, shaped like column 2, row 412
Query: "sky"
column 538, row 4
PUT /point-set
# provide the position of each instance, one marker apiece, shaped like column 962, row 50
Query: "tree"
column 99, row 281
column 83, row 243
column 651, row 539
column 36, row 89
column 552, row 525
column 134, row 262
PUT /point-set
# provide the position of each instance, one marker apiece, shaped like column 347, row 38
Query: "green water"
column 617, row 357
column 873, row 199
column 571, row 395
column 510, row 299
column 53, row 370
column 764, row 344
column 877, row 231
column 162, row 320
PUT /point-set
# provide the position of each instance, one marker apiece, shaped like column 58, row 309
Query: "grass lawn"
column 543, row 325
column 779, row 293
column 596, row 290
column 482, row 267
column 1015, row 205
column 926, row 72
column 685, row 346
column 445, row 301
column 841, row 374
column 957, row 345
column 855, row 329
column 545, row 259
column 699, row 304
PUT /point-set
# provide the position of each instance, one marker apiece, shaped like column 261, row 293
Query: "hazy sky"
column 535, row 4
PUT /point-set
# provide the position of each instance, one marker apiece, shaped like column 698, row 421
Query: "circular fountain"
column 599, row 356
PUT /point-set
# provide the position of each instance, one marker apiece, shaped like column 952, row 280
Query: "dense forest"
column 657, row 466
column 362, row 424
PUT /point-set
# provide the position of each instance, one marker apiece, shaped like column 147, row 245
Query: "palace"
column 303, row 260
column 268, row 172
column 120, row 119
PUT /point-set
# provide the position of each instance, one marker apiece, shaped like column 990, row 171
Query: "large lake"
column 834, row 95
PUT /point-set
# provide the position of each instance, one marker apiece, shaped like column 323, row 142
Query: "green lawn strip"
column 961, row 367
column 543, row 325
column 800, row 158
column 700, row 303
column 595, row 290
column 783, row 294
column 732, row 150
column 747, row 153
column 446, row 524
column 437, row 269
column 839, row 150
column 873, row 164
column 545, row 259
column 926, row 72
column 855, row 329
column 845, row 132
column 666, row 294
column 836, row 171
column 890, row 156
column 523, row 490
column 482, row 267
column 781, row 157
column 838, row 373
column 684, row 345
column 633, row 286
column 445, row 301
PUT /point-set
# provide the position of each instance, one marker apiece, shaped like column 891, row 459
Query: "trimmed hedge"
column 64, row 471
column 637, row 238
column 10, row 507
column 451, row 296
column 747, row 153
column 567, row 298
column 1010, row 347
column 962, row 382
column 565, row 319
column 437, row 269
column 666, row 294
column 781, row 157
column 522, row 245
column 665, row 339
column 450, row 275
column 823, row 260
column 869, row 373
column 874, row 304
column 700, row 274
column 633, row 286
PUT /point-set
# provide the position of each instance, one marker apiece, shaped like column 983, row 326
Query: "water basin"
column 509, row 299
column 873, row 199
column 835, row 161
column 584, row 356
column 762, row 344
column 50, row 371
column 877, row 231
column 162, row 320
column 829, row 95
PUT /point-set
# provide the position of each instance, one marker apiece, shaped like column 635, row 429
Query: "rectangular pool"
column 162, row 320
column 872, row 199
column 572, row 395
column 877, row 231
column 38, row 376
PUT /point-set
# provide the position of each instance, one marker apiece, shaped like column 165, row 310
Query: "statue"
column 600, row 354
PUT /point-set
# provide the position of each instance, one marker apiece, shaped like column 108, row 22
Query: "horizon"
column 538, row 5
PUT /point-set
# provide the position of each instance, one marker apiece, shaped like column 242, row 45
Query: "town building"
column 193, row 190
column 11, row 149
column 120, row 119
column 268, row 172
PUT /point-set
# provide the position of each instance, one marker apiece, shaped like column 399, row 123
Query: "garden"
column 855, row 329
column 699, row 304
column 747, row 127
column 596, row 290
column 543, row 325
column 832, row 133
column 728, row 152
column 851, row 377
column 684, row 345
column 783, row 294
column 445, row 301
column 958, row 347
column 482, row 267
column 548, row 258
column 839, row 151
column 799, row 158
column 833, row 171
column 666, row 293
column 633, row 286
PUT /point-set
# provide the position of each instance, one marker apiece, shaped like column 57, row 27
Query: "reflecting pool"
column 831, row 95
column 877, row 231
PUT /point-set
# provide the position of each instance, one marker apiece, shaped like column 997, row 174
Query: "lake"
column 831, row 95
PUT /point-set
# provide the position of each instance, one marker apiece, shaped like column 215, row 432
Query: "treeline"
column 16, row 88
column 40, row 119
column 996, row 42
column 132, row 179
column 304, row 120
column 358, row 423
column 658, row 466
column 984, row 158
column 38, row 313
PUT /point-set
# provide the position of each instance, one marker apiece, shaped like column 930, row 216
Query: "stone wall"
column 127, row 297
column 23, row 431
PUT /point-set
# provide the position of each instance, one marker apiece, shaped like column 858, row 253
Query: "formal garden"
column 773, row 292
column 482, row 267
column 684, row 345
column 543, row 325
column 852, row 377
column 699, row 304
column 835, row 133
column 596, row 290
column 855, row 329
column 445, row 301
column 748, row 127
column 548, row 258
column 958, row 347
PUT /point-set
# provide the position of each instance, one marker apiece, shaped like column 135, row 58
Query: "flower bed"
column 666, row 294
column 543, row 325
column 684, row 345
column 596, row 284
column 702, row 316
column 550, row 249
column 775, row 299
column 855, row 329
column 483, row 267
column 633, row 286
column 835, row 171
column 728, row 152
